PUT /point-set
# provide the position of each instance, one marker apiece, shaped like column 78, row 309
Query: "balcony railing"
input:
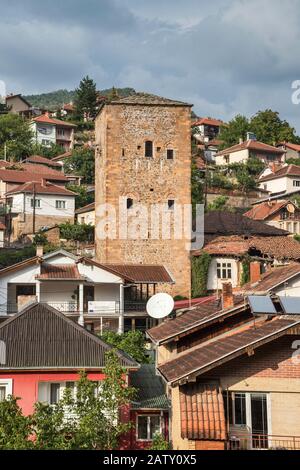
column 133, row 306
column 107, row 309
column 263, row 442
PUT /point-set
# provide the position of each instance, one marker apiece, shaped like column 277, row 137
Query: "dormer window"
column 149, row 149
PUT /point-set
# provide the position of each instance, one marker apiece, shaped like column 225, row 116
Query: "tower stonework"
column 143, row 155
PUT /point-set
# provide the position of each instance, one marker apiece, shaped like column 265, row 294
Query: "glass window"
column 37, row 203
column 54, row 393
column 240, row 409
column 224, row 270
column 148, row 149
column 147, row 427
column 60, row 204
column 2, row 393
column 143, row 428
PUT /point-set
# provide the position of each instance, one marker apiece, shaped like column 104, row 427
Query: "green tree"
column 77, row 232
column 271, row 129
column 83, row 197
column 82, row 163
column 132, row 342
column 15, row 428
column 15, row 137
column 159, row 443
column 48, row 152
column 235, row 130
column 218, row 204
column 86, row 99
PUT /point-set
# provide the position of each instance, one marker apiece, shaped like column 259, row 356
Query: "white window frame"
column 37, row 203
column 224, row 265
column 8, row 384
column 248, row 409
column 148, row 416
column 62, row 203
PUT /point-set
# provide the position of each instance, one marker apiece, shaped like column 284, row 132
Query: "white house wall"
column 280, row 184
column 291, row 290
column 23, row 276
column 213, row 283
column 95, row 274
column 48, row 205
column 235, row 157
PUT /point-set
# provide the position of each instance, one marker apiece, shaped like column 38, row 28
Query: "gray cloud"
column 225, row 56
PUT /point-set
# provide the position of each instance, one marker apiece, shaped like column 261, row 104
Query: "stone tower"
column 143, row 155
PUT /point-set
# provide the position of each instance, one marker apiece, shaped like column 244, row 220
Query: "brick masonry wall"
column 23, row 226
column 123, row 170
column 273, row 360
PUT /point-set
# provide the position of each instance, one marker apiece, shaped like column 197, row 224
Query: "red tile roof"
column 87, row 208
column 266, row 209
column 41, row 188
column 272, row 279
column 142, row 273
column 30, row 172
column 202, row 412
column 279, row 248
column 42, row 161
column 288, row 145
column 62, row 271
column 62, row 156
column 206, row 313
column 208, row 122
column 44, row 118
column 288, row 170
column 199, row 360
column 251, row 145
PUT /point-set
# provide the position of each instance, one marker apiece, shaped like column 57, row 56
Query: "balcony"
column 263, row 442
column 71, row 308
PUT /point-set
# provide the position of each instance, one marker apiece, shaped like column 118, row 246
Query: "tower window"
column 123, row 152
column 149, row 149
column 129, row 203
column 171, row 204
column 170, row 154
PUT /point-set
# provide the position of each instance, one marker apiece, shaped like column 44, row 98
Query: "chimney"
column 39, row 251
column 227, row 295
column 241, row 141
column 255, row 275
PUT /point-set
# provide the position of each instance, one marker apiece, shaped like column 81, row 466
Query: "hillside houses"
column 48, row 130
column 241, row 152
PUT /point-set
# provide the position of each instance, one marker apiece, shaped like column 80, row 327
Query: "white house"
column 241, row 152
column 38, row 205
column 95, row 295
column 86, row 214
column 49, row 131
column 285, row 180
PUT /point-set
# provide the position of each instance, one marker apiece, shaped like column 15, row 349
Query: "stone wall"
column 22, row 224
column 123, row 170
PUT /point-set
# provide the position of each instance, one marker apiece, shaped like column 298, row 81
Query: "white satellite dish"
column 160, row 306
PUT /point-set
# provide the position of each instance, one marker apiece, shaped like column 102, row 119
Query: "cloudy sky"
column 225, row 56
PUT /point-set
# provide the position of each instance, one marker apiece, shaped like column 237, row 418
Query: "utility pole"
column 5, row 151
column 33, row 215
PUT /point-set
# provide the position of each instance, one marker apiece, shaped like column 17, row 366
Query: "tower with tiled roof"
column 143, row 155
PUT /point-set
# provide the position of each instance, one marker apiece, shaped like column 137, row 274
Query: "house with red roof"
column 48, row 130
column 207, row 128
column 241, row 152
column 232, row 370
column 292, row 150
column 283, row 214
column 99, row 296
column 284, row 180
column 38, row 204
